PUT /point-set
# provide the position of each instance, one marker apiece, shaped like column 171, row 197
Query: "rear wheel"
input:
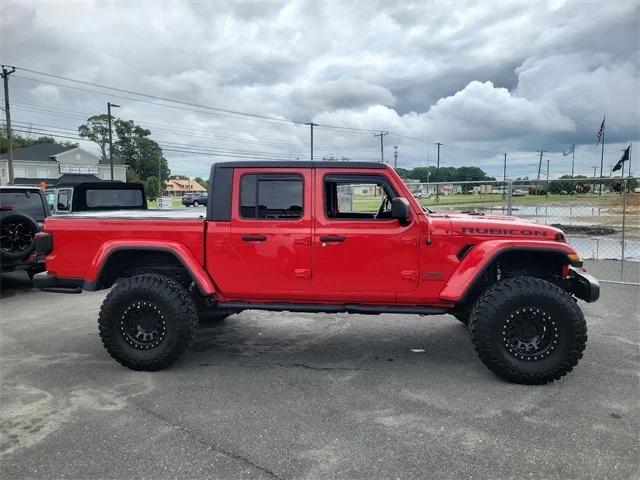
column 195, row 203
column 147, row 322
column 528, row 330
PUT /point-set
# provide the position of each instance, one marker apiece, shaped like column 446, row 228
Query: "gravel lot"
column 270, row 395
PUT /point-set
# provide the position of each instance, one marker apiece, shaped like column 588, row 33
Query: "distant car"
column 420, row 195
column 194, row 199
column 518, row 193
column 22, row 214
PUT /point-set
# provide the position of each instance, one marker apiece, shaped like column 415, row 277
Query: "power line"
column 154, row 97
column 163, row 127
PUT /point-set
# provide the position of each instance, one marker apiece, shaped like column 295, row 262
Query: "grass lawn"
column 365, row 203
column 175, row 203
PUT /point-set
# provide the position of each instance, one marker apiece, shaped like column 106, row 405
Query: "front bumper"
column 586, row 287
column 50, row 283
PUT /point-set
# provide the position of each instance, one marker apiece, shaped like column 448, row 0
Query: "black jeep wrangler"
column 22, row 213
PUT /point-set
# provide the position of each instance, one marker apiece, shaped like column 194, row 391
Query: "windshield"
column 28, row 202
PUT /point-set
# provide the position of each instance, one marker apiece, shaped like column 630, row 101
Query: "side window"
column 51, row 198
column 271, row 196
column 64, row 200
column 358, row 197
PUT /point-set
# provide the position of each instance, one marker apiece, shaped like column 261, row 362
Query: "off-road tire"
column 564, row 328
column 172, row 306
column 462, row 314
column 22, row 228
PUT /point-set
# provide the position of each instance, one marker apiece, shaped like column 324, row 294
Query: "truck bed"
column 88, row 238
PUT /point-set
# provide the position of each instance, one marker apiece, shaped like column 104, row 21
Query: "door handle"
column 332, row 238
column 254, row 238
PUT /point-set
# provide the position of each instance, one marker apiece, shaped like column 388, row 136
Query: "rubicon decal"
column 524, row 232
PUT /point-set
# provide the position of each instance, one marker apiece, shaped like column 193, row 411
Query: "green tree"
column 131, row 144
column 97, row 130
column 151, row 187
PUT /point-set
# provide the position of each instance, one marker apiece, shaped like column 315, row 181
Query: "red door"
column 271, row 228
column 358, row 248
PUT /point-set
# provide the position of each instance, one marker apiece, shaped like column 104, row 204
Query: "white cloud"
column 47, row 95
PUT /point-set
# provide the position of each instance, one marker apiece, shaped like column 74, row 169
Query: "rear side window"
column 64, row 200
column 23, row 201
column 104, row 198
column 271, row 196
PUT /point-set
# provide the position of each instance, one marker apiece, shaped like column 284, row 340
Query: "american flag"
column 600, row 132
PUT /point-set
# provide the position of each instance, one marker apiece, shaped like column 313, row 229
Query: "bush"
column 151, row 188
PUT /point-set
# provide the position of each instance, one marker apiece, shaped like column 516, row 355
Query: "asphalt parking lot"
column 272, row 395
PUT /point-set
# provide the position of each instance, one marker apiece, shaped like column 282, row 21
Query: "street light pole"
column 109, row 105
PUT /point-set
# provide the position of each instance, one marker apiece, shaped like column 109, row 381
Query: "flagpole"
column 629, row 161
column 604, row 127
column 573, row 159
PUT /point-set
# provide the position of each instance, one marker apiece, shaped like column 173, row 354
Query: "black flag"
column 624, row 158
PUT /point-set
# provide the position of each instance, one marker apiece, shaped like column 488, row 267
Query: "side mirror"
column 400, row 210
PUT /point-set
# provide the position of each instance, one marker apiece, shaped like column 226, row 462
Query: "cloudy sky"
column 482, row 78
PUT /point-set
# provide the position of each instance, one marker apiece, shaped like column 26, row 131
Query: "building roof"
column 179, row 184
column 70, row 179
column 42, row 152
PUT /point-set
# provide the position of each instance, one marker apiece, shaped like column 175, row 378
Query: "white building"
column 46, row 162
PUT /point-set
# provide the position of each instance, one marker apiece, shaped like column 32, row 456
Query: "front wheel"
column 528, row 330
column 195, row 204
column 147, row 322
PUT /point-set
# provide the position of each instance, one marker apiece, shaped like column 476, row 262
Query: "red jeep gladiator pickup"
column 296, row 236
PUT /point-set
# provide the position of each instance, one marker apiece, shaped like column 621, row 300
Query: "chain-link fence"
column 600, row 217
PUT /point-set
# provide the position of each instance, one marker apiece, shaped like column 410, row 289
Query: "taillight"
column 44, row 243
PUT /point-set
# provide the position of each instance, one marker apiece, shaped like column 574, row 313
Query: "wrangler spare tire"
column 17, row 236
column 528, row 330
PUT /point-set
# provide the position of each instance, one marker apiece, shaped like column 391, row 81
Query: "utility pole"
column 311, row 124
column 594, row 178
column 630, row 145
column 438, row 175
column 109, row 105
column 381, row 135
column 395, row 157
column 5, row 77
column 610, row 170
column 573, row 160
column 547, row 176
column 504, row 175
column 540, row 163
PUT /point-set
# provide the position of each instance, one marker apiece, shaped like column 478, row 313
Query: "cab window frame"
column 266, row 177
column 356, row 179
